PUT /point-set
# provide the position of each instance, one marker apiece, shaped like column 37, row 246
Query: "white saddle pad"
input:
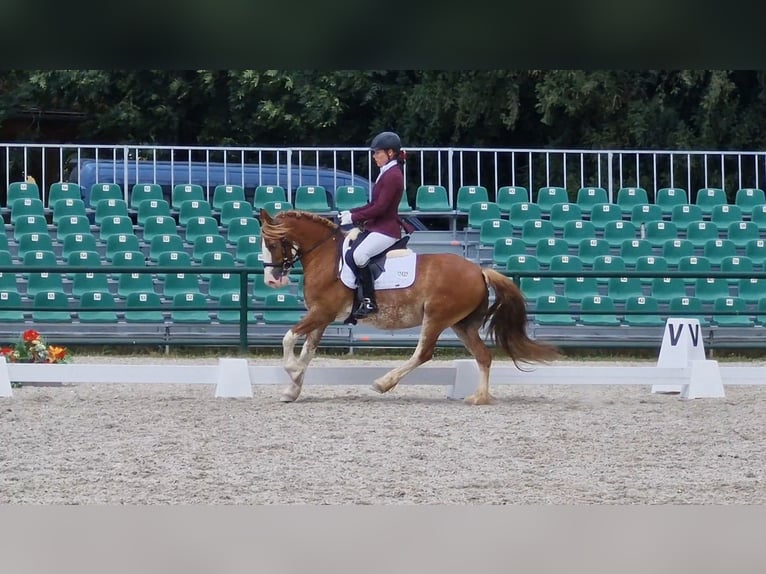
column 399, row 273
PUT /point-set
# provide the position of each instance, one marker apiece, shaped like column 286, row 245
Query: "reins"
column 288, row 262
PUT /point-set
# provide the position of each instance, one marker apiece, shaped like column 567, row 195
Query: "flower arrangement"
column 32, row 348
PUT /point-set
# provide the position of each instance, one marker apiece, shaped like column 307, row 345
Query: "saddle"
column 377, row 264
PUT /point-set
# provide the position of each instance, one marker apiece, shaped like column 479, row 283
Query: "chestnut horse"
column 448, row 291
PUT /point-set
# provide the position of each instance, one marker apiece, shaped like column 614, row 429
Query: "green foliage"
column 587, row 109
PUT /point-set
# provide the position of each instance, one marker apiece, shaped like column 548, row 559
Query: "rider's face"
column 381, row 157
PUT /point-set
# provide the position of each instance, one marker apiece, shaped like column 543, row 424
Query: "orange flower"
column 55, row 353
column 30, row 335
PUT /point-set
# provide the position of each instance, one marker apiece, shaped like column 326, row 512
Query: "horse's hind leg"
column 296, row 365
column 469, row 335
column 423, row 353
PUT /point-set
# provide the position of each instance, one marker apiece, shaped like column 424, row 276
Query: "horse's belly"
column 392, row 317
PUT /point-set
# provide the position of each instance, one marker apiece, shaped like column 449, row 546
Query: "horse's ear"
column 265, row 217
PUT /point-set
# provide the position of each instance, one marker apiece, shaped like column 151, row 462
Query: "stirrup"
column 366, row 307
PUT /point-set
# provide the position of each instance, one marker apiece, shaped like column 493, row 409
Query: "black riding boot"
column 367, row 305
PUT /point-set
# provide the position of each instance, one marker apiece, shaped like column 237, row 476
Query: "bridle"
column 288, row 262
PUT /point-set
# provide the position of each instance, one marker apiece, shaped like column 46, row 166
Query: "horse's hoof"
column 480, row 400
column 288, row 397
column 377, row 388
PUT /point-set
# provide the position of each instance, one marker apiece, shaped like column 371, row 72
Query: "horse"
column 448, row 291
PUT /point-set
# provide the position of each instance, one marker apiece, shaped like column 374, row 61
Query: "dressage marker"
column 681, row 368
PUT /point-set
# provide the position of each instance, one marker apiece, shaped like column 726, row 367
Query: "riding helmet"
column 386, row 140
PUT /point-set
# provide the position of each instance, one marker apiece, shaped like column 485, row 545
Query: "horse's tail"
column 506, row 322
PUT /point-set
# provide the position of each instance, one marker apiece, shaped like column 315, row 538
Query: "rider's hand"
column 345, row 218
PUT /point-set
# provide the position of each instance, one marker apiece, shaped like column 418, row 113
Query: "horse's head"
column 279, row 252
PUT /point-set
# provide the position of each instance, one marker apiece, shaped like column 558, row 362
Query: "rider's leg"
column 370, row 246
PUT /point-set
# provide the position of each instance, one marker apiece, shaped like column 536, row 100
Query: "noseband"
column 288, row 262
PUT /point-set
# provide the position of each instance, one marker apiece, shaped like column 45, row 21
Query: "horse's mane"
column 280, row 227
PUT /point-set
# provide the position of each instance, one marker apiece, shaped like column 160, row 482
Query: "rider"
column 379, row 218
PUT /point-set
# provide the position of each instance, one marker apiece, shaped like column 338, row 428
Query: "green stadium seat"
column 266, row 194
column 115, row 225
column 708, row 289
column 121, row 242
column 141, row 192
column 193, row 209
column 216, row 259
column 165, row 242
column 520, row 213
column 507, row 195
column 25, row 207
column 620, row 289
column 21, row 190
column 736, row 305
column 615, row 232
column 644, row 213
column 505, row 247
column 78, row 242
column 591, row 247
column 155, row 225
column 693, row 264
column 73, row 225
column 534, row 287
column 575, row 231
column 608, row 264
column 206, row 244
column 564, row 263
column 747, row 198
column 493, row 229
column 546, row 249
column 63, row 190
column 68, row 208
column 152, row 208
column 480, row 212
column 247, row 245
column 533, row 230
column 144, row 308
column 222, row 284
column 602, row 214
column 282, row 309
column 432, row 198
column 311, row 198
column 34, row 242
column 521, row 262
column 667, row 197
column 716, row 249
column 632, row 249
column 225, row 193
column 199, row 227
column 552, row 310
column 723, row 215
column 89, row 282
column 755, row 249
column 4, row 243
column 134, row 282
column 180, row 259
column 674, row 249
column 11, row 298
column 48, row 307
column 752, row 289
column 657, row 232
column 184, row 192
column 760, row 318
column 598, row 311
column 261, row 291
column 44, row 281
column 275, row 207
column 742, row 232
column 642, row 311
column 650, row 264
column 30, row 224
column 587, row 197
column 709, row 197
column 97, row 307
column 736, row 264
column 126, row 259
column 576, row 288
column 100, row 191
column 701, row 232
column 684, row 215
column 110, row 208
column 627, row 197
column 348, row 197
column 180, row 282
column 229, row 308
column 689, row 307
column 242, row 227
column 404, row 203
column 467, row 195
column 563, row 213
column 82, row 258
column 549, row 196
column 232, row 210
column 666, row 288
column 40, row 258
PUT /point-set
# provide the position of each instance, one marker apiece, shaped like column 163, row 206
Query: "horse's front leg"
column 296, row 365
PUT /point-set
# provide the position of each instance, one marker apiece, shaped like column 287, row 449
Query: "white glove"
column 345, row 218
